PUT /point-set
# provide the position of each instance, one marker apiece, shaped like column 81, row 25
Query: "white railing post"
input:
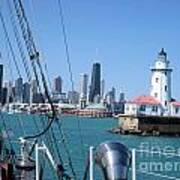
column 133, row 164
column 48, row 154
column 91, row 163
column 43, row 148
column 37, row 161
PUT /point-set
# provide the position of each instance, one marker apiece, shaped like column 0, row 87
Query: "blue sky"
column 123, row 35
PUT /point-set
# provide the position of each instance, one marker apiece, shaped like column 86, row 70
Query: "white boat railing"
column 133, row 164
column 43, row 148
column 134, row 171
column 91, row 163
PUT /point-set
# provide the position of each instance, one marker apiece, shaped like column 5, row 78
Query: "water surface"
column 81, row 133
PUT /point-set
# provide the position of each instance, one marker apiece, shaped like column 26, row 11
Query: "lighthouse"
column 161, row 80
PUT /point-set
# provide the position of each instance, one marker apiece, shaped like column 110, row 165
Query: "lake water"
column 163, row 163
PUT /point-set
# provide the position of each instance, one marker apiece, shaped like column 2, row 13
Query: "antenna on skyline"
column 97, row 53
column 0, row 57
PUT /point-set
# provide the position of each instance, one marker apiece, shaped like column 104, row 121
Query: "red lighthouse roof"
column 176, row 103
column 145, row 100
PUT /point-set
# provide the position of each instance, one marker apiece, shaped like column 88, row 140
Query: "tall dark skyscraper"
column 1, row 81
column 95, row 87
column 18, row 90
column 26, row 92
column 4, row 93
column 58, row 84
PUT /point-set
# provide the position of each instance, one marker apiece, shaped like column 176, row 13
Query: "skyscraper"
column 18, row 89
column 34, row 87
column 33, row 91
column 35, row 95
column 111, row 96
column 26, row 92
column 95, row 89
column 73, row 97
column 1, row 80
column 4, row 93
column 83, row 86
column 102, row 88
column 121, row 96
column 10, row 94
column 58, row 84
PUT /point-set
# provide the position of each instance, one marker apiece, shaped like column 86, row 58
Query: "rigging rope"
column 69, row 64
column 34, row 56
column 86, row 168
column 67, row 150
column 9, row 43
column 19, row 44
column 66, row 43
column 48, row 77
column 26, row 33
column 7, row 132
column 51, row 135
column 35, row 24
column 14, row 59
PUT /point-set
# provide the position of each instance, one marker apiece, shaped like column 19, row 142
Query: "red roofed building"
column 176, row 103
column 145, row 100
column 143, row 105
column 175, row 108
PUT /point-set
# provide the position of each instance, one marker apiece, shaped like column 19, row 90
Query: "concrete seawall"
column 144, row 125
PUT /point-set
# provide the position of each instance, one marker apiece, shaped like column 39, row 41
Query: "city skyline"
column 125, row 43
column 57, row 83
column 92, row 92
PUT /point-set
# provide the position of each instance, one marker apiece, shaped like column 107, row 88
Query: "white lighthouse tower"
column 161, row 80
